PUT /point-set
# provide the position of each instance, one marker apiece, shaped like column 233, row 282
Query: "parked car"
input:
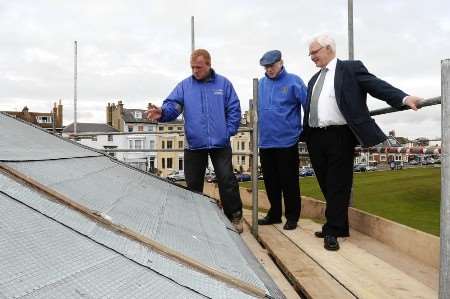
column 211, row 177
column 428, row 161
column 371, row 168
column 175, row 176
column 306, row 172
column 413, row 162
column 359, row 167
column 243, row 177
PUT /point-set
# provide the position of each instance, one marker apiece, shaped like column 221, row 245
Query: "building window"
column 130, row 128
column 138, row 144
column 163, row 146
column 44, row 119
column 140, row 128
column 238, row 145
column 130, row 144
column 150, row 128
column 180, row 163
column 169, row 144
column 152, row 163
column 170, row 128
column 242, row 145
column 152, row 144
column 161, row 128
column 137, row 114
column 110, row 137
column 242, row 159
column 163, row 164
column 180, row 144
column 169, row 163
column 180, row 128
column 382, row 157
column 94, row 138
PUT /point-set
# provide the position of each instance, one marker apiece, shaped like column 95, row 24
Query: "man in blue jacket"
column 212, row 115
column 281, row 96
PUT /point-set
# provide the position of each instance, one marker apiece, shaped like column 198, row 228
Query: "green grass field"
column 409, row 196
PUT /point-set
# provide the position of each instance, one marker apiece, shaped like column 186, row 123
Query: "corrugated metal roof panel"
column 175, row 217
column 43, row 259
column 20, row 142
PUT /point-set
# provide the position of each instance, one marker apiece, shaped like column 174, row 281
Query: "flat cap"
column 270, row 58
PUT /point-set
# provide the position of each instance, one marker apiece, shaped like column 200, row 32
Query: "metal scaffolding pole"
column 444, row 274
column 192, row 34
column 75, row 89
column 350, row 30
column 255, row 159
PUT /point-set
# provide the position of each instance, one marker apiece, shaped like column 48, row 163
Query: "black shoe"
column 331, row 243
column 267, row 221
column 319, row 234
column 290, row 225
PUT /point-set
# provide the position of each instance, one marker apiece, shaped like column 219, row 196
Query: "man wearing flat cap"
column 281, row 96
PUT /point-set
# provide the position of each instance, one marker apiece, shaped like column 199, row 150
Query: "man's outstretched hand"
column 154, row 113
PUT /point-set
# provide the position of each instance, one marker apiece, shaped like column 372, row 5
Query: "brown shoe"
column 238, row 222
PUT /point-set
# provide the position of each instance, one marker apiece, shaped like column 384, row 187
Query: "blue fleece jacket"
column 279, row 113
column 211, row 110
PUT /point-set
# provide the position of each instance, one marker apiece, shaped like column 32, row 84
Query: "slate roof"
column 89, row 128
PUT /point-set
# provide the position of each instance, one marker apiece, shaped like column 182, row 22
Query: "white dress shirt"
column 328, row 111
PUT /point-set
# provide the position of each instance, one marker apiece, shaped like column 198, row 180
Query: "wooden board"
column 264, row 259
column 364, row 274
column 306, row 275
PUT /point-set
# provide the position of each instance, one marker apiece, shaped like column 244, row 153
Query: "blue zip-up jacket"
column 279, row 113
column 211, row 109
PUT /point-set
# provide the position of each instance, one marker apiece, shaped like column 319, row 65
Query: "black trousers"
column 195, row 163
column 331, row 150
column 280, row 169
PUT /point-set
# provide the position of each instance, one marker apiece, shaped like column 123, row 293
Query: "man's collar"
column 331, row 66
column 280, row 75
column 210, row 78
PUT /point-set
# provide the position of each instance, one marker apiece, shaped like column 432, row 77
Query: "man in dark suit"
column 336, row 119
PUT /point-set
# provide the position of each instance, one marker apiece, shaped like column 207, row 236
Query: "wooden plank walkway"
column 362, row 268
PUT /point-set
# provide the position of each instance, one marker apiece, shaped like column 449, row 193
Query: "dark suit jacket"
column 352, row 83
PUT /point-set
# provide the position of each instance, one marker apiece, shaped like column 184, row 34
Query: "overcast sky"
column 137, row 51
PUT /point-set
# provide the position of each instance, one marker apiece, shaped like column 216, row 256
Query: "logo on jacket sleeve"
column 284, row 89
column 218, row 92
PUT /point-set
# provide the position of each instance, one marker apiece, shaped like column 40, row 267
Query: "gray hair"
column 325, row 40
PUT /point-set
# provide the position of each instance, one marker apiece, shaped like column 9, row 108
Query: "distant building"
column 46, row 120
column 102, row 142
column 172, row 138
column 134, row 120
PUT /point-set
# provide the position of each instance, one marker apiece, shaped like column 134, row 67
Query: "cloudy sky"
column 137, row 51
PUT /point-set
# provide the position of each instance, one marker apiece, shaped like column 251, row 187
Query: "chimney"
column 120, row 105
column 109, row 114
column 59, row 115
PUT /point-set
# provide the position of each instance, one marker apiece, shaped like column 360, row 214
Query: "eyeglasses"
column 315, row 51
